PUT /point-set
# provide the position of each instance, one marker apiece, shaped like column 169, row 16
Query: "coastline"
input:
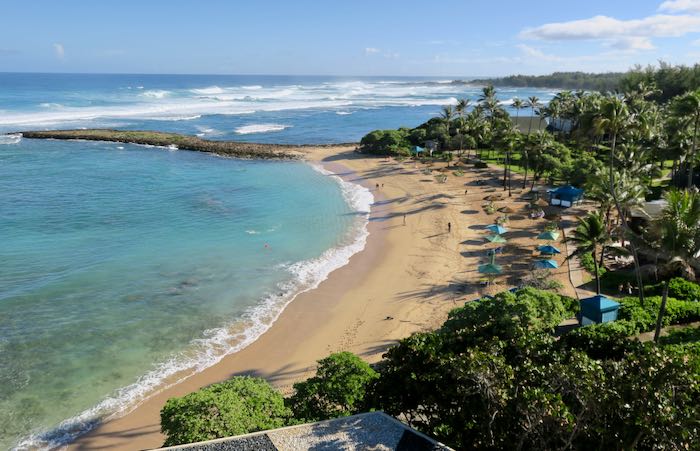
column 407, row 278
column 309, row 325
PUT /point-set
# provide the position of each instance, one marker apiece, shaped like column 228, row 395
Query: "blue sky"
column 380, row 37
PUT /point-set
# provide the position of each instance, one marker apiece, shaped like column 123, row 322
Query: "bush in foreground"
column 337, row 390
column 237, row 406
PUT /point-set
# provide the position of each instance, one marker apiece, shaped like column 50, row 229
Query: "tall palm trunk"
column 692, row 152
column 662, row 311
column 597, row 273
column 623, row 220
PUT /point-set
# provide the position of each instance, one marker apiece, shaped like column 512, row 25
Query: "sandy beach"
column 410, row 275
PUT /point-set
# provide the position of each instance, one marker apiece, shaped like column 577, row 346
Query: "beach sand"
column 406, row 280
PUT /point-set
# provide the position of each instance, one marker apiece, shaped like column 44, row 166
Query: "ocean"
column 122, row 265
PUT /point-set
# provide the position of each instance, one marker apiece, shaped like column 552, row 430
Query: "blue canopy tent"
column 418, row 149
column 565, row 196
column 598, row 309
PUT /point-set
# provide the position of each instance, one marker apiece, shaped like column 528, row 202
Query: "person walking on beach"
column 449, row 227
column 404, row 219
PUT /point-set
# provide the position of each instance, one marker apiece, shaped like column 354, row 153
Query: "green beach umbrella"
column 491, row 268
column 495, row 238
column 497, row 229
column 546, row 264
column 548, row 235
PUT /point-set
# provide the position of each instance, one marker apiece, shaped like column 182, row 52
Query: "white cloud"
column 632, row 34
column 60, row 51
column 371, row 50
column 675, row 6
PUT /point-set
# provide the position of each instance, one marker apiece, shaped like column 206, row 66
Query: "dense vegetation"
column 495, row 377
column 563, row 80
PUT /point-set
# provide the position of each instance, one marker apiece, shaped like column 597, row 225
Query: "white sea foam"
column 217, row 343
column 260, row 128
column 208, row 91
column 14, row 138
column 50, row 105
column 343, row 113
column 155, row 93
column 186, row 104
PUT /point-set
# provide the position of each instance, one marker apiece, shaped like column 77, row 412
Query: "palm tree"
column 614, row 119
column 447, row 114
column 461, row 108
column 532, row 103
column 687, row 108
column 676, row 237
column 590, row 236
column 518, row 104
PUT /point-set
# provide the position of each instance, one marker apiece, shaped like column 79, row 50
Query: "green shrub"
column 602, row 341
column 685, row 290
column 237, row 406
column 385, row 141
column 508, row 314
column 685, row 335
column 337, row 390
column 677, row 311
column 588, row 264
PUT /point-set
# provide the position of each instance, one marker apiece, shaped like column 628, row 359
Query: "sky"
column 342, row 37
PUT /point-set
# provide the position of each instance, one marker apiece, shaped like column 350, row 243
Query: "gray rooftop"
column 366, row 431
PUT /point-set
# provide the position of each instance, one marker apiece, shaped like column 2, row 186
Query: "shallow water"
column 120, row 264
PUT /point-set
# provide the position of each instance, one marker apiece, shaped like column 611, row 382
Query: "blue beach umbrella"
column 548, row 249
column 546, row 264
column 497, row 229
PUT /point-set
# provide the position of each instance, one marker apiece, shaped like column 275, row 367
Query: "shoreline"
column 256, row 358
column 407, row 278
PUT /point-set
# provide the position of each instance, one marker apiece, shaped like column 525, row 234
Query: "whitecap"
column 155, row 93
column 343, row 113
column 260, row 128
column 14, row 138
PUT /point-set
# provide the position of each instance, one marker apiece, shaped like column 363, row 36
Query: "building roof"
column 374, row 430
column 600, row 303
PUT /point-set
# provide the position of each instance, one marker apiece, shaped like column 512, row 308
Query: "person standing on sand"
column 449, row 227
column 404, row 219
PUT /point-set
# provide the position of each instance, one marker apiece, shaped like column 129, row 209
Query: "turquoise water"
column 121, row 264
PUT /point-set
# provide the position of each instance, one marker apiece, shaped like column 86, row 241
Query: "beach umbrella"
column 548, row 235
column 497, row 229
column 491, row 268
column 546, row 264
column 495, row 238
column 548, row 249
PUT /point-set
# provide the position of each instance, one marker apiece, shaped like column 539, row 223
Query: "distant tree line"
column 669, row 80
column 565, row 80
